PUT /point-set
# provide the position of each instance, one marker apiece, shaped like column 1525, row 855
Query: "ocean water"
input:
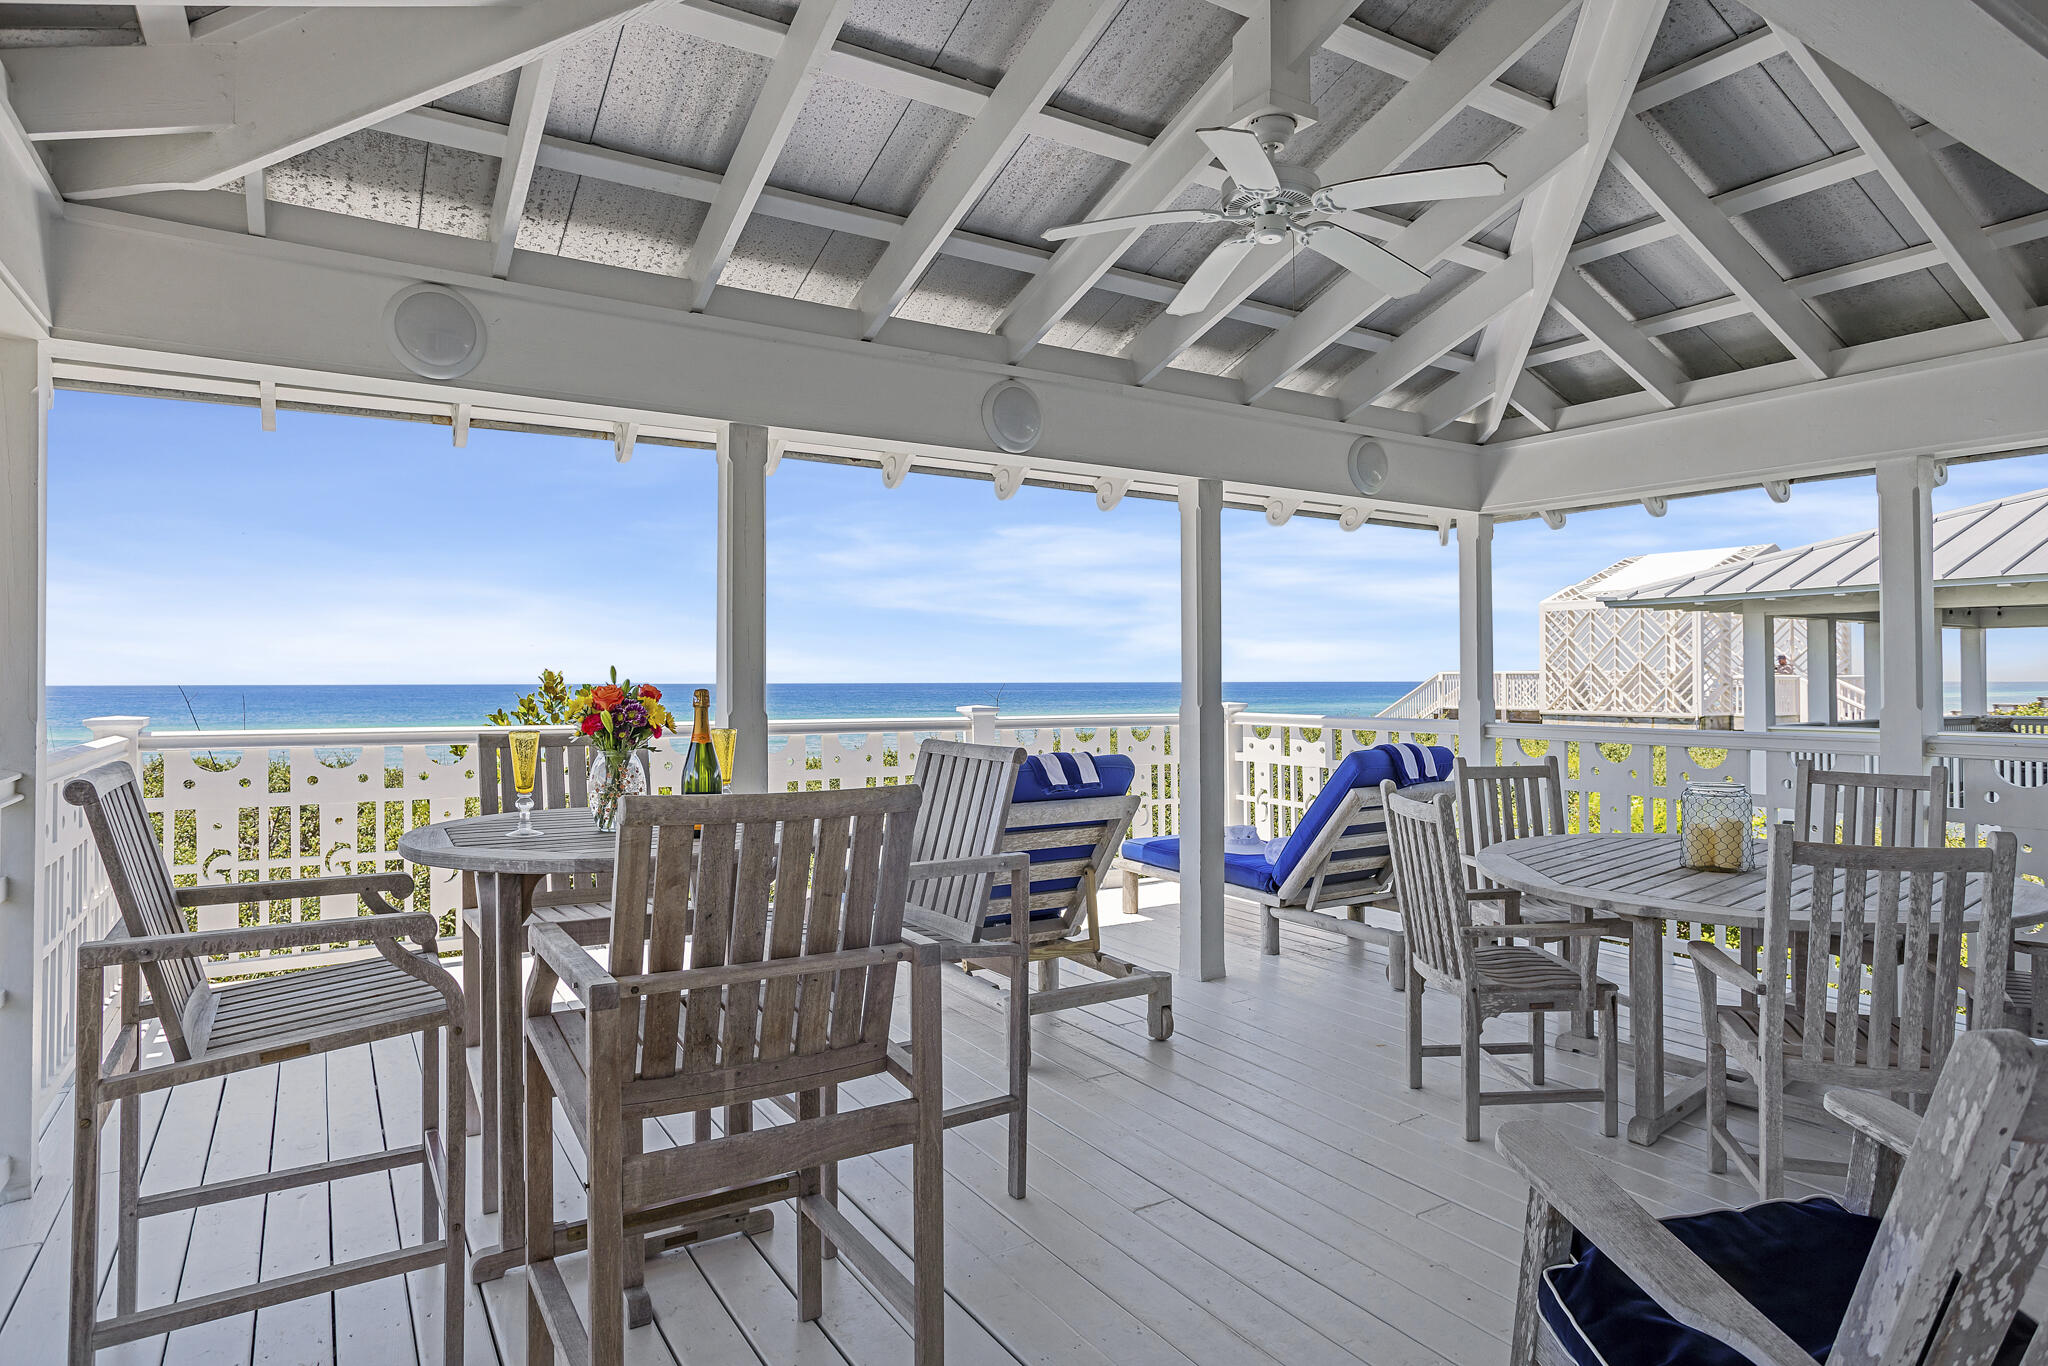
column 278, row 707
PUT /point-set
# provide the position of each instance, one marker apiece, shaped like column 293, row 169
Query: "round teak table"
column 507, row 872
column 1643, row 878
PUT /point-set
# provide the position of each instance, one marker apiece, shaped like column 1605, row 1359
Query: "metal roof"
column 1995, row 544
column 1841, row 236
column 1637, row 571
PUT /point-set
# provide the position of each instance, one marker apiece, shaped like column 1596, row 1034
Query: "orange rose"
column 607, row 695
column 650, row 692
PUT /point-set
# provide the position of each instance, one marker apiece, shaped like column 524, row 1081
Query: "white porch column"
column 22, row 599
column 1910, row 660
column 1476, row 702
column 1204, row 761
column 1976, row 699
column 1821, row 668
column 1759, row 691
column 743, row 600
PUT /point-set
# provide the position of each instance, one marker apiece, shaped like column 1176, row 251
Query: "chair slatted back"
column 774, row 876
column 1885, row 925
column 1092, row 827
column 561, row 782
column 141, row 883
column 967, row 791
column 1835, row 806
column 1507, row 802
column 1964, row 1229
column 1422, row 833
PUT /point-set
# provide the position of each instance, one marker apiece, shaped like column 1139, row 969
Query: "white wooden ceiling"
column 1718, row 199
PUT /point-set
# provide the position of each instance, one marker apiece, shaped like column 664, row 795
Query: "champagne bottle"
column 700, row 765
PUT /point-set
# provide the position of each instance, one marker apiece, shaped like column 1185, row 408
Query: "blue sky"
column 188, row 545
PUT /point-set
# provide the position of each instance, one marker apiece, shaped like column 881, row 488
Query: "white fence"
column 1513, row 690
column 238, row 806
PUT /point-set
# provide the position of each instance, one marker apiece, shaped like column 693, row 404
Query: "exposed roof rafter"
column 1455, row 318
column 522, row 147
column 1645, row 362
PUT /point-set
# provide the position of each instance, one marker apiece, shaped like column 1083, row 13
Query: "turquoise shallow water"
column 269, row 706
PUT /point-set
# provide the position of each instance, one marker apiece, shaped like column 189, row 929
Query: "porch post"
column 743, row 600
column 1759, row 691
column 1873, row 675
column 1820, row 670
column 1910, row 662
column 1976, row 700
column 1476, row 702
column 22, row 600
column 1204, row 778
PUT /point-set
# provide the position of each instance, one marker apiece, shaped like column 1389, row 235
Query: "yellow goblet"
column 525, row 747
column 724, row 740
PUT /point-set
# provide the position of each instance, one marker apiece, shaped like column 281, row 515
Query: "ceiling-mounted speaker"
column 1010, row 416
column 1368, row 466
column 434, row 331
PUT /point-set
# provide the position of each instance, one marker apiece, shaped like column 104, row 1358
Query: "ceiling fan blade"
column 1442, row 182
column 1243, row 156
column 1125, row 222
column 1209, row 276
column 1378, row 265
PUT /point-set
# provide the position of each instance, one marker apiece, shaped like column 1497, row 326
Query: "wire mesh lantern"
column 1714, row 827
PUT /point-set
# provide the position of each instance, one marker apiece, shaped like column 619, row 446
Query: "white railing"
column 72, row 905
column 1513, row 690
column 2000, row 782
column 1283, row 759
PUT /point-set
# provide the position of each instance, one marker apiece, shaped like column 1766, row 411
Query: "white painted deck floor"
column 1262, row 1188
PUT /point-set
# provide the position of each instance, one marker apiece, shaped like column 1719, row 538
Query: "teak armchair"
column 211, row 1031
column 1895, row 913
column 1949, row 1208
column 757, row 962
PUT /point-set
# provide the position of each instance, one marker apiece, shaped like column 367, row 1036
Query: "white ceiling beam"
column 1645, row 362
column 812, row 32
column 1062, row 37
column 255, row 202
column 1454, row 318
column 1738, row 54
column 1534, row 400
column 1979, row 402
column 1527, row 161
column 151, row 287
column 325, row 76
column 1168, row 168
column 1708, row 231
column 522, row 148
column 1928, row 194
column 1369, row 46
column 140, row 92
column 443, row 128
column 1949, row 61
column 1454, row 399
column 1601, row 68
column 1495, row 39
column 161, row 24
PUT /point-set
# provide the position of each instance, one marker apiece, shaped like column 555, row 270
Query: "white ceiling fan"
column 1272, row 200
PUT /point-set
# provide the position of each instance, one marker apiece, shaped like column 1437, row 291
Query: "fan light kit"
column 434, row 332
column 1273, row 201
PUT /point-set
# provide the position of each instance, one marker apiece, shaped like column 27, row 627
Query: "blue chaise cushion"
column 1360, row 768
column 1796, row 1260
column 1114, row 774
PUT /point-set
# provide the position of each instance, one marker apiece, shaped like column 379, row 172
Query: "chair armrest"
column 575, row 965
column 291, row 889
column 103, row 953
column 1708, row 958
column 966, row 867
column 1685, row 1287
column 1885, row 1121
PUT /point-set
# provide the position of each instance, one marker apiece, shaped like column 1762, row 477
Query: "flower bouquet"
column 622, row 719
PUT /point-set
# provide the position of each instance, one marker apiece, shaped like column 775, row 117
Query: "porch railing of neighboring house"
column 1513, row 690
column 240, row 806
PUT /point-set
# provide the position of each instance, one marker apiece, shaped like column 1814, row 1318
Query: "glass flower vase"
column 614, row 774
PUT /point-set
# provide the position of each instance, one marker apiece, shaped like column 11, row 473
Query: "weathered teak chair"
column 757, row 962
column 1063, row 820
column 1837, row 806
column 1893, row 912
column 1519, row 801
column 211, row 1031
column 1942, row 1231
column 1333, row 872
column 1447, row 950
